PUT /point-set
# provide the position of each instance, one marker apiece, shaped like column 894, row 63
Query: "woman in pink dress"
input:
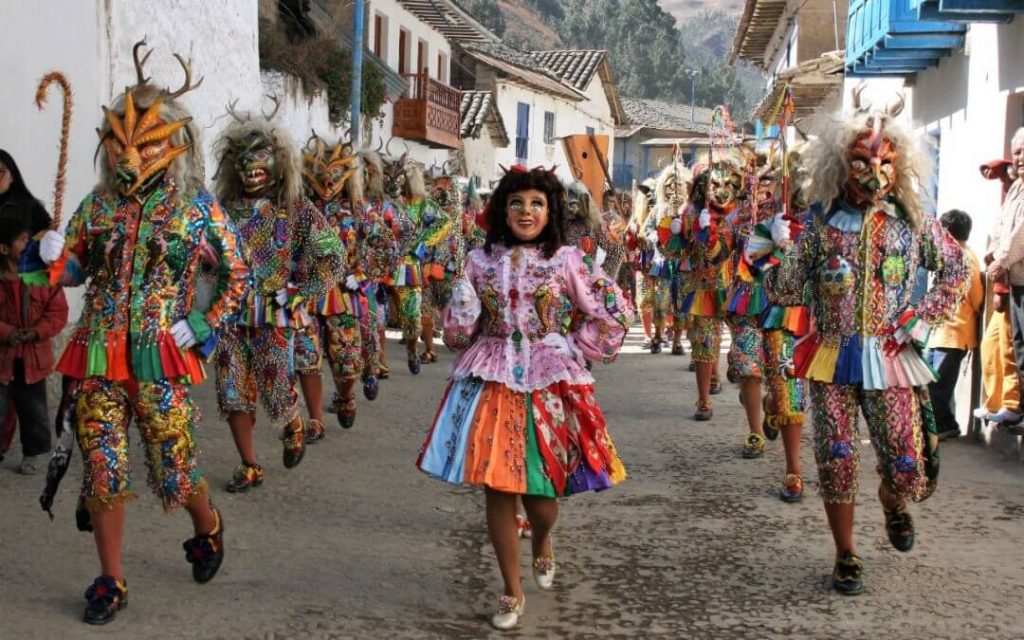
column 519, row 415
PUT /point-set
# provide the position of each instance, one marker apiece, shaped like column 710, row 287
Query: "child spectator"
column 953, row 339
column 29, row 317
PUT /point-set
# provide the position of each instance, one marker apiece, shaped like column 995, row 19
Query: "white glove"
column 562, row 345
column 465, row 304
column 281, row 297
column 781, row 232
column 600, row 257
column 704, row 219
column 51, row 247
column 352, row 283
column 182, row 334
column 677, row 226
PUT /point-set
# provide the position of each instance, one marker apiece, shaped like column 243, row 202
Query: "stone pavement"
column 356, row 543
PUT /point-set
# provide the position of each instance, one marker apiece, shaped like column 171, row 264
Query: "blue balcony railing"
column 887, row 37
column 968, row 10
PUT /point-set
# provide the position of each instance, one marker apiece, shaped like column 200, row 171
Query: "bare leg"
column 645, row 319
column 840, row 520
column 203, row 519
column 383, row 343
column 704, row 373
column 428, row 332
column 313, row 394
column 543, row 513
column 108, row 532
column 750, row 393
column 242, row 426
column 501, row 525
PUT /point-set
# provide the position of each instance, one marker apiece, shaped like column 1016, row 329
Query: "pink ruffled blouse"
column 539, row 319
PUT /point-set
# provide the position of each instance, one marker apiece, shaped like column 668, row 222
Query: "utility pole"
column 356, row 109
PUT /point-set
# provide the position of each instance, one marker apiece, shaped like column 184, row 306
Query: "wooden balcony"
column 428, row 113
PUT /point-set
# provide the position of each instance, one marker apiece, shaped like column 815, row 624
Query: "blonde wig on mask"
column 678, row 171
column 827, row 164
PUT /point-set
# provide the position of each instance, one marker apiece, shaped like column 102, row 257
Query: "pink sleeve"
column 607, row 313
column 460, row 328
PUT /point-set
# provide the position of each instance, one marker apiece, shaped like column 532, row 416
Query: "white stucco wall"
column 31, row 33
column 480, row 157
column 571, row 118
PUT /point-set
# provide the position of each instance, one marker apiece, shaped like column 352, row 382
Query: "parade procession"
column 496, row 292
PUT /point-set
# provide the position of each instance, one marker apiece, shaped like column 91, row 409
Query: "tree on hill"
column 486, row 12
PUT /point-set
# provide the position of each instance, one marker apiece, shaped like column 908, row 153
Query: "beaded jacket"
column 371, row 253
column 861, row 269
column 289, row 248
column 139, row 260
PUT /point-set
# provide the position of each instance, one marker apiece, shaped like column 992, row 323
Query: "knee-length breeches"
column 255, row 362
column 705, row 338
column 654, row 298
column 894, row 422
column 309, row 354
column 345, row 352
column 785, row 395
column 370, row 338
column 409, row 311
column 165, row 415
column 746, row 354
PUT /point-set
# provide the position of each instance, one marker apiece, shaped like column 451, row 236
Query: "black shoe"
column 206, row 552
column 692, row 366
column 414, row 364
column 677, row 350
column 656, row 346
column 846, row 575
column 294, row 440
column 347, row 413
column 370, row 388
column 900, row 527
column 106, row 597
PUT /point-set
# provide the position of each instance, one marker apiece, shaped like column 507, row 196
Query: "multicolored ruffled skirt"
column 551, row 442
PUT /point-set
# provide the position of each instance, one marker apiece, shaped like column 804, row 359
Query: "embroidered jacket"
column 290, row 249
column 140, row 261
column 371, row 253
column 862, row 271
column 521, row 334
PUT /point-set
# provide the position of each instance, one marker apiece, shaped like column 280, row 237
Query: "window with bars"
column 549, row 127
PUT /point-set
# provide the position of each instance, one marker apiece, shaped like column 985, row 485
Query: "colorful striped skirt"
column 551, row 442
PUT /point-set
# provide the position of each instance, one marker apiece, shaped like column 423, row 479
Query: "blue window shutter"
column 522, row 131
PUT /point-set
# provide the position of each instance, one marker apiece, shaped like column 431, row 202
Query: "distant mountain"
column 683, row 9
column 656, row 46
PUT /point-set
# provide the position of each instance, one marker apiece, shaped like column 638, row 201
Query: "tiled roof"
column 575, row 66
column 670, row 116
column 454, row 24
column 478, row 110
column 521, row 66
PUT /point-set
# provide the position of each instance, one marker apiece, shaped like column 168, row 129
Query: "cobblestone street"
column 356, row 543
